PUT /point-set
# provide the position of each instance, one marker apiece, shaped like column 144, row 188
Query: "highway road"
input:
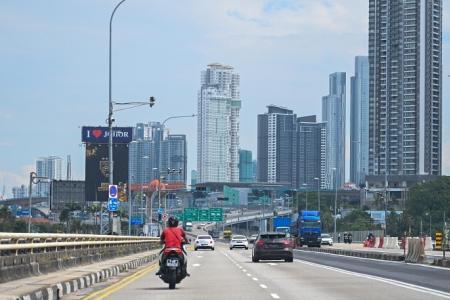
column 225, row 274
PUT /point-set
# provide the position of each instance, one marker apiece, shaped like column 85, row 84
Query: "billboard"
column 100, row 135
column 97, row 169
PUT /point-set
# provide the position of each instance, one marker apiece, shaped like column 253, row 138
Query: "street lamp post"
column 130, row 206
column 335, row 199
column 34, row 179
column 306, row 193
column 111, row 103
column 318, row 193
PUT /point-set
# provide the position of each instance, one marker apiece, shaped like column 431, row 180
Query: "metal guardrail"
column 13, row 244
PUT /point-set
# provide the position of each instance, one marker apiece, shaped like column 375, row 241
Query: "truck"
column 187, row 225
column 306, row 228
column 282, row 224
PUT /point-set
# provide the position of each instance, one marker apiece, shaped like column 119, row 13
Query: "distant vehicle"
column 238, row 241
column 204, row 241
column 281, row 222
column 214, row 234
column 307, row 228
column 273, row 245
column 252, row 238
column 227, row 234
column 187, row 226
column 326, row 239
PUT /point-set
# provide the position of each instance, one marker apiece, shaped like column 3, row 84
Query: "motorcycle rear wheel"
column 172, row 279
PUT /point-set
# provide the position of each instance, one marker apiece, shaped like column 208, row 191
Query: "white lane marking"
column 244, row 270
column 196, row 265
column 272, row 264
column 199, row 256
column 410, row 286
column 255, row 279
column 274, row 296
column 374, row 259
column 249, row 275
column 263, row 286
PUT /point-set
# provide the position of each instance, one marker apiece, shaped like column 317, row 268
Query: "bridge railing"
column 23, row 255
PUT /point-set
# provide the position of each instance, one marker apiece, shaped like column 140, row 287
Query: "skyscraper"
column 144, row 152
column 405, row 93
column 359, row 121
column 311, row 145
column 245, row 166
column 51, row 168
column 333, row 113
column 219, row 104
column 174, row 157
column 276, row 156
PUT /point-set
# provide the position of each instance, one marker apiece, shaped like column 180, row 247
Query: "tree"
column 355, row 220
column 429, row 198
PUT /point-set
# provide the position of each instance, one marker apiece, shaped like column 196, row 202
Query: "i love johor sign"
column 100, row 135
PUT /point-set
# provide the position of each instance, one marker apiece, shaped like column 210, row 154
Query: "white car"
column 204, row 241
column 238, row 241
column 326, row 239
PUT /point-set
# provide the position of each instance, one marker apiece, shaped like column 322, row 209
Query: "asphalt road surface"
column 230, row 274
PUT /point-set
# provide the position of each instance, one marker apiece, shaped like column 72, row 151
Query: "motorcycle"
column 173, row 266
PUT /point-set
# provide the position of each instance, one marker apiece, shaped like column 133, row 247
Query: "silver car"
column 326, row 239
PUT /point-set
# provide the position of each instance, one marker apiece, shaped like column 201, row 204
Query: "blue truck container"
column 306, row 228
column 282, row 224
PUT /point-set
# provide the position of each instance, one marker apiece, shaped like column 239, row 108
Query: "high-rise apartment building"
column 333, row 113
column 174, row 157
column 405, row 87
column 311, row 146
column 245, row 166
column 142, row 168
column 20, row 191
column 276, row 146
column 359, row 121
column 50, row 168
column 219, row 104
column 151, row 154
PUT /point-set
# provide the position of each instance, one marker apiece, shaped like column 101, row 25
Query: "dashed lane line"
column 384, row 280
column 274, row 296
column 263, row 286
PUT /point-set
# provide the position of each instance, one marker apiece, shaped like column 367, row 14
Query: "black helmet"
column 172, row 222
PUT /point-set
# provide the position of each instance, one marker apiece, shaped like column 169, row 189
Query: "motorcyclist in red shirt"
column 173, row 237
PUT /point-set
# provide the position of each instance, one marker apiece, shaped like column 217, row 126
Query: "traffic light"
column 152, row 101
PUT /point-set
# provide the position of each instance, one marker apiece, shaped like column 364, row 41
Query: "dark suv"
column 273, row 245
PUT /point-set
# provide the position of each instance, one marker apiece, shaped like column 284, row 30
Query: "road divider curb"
column 60, row 289
column 355, row 253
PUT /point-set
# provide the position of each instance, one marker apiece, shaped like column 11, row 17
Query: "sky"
column 54, row 67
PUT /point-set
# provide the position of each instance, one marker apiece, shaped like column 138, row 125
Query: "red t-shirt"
column 173, row 236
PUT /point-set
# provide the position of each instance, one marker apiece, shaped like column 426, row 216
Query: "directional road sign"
column 113, row 204
column 191, row 214
column 216, row 214
column 203, row 215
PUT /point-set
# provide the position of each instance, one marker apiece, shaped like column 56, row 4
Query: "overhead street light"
column 111, row 103
column 34, row 179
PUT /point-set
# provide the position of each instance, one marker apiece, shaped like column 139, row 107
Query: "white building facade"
column 219, row 105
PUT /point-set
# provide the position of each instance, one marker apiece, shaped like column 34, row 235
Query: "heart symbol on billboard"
column 97, row 133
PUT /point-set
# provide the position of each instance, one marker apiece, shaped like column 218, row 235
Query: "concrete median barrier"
column 356, row 253
column 416, row 251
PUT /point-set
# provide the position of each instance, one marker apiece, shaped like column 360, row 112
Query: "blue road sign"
column 113, row 191
column 136, row 221
column 113, row 204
